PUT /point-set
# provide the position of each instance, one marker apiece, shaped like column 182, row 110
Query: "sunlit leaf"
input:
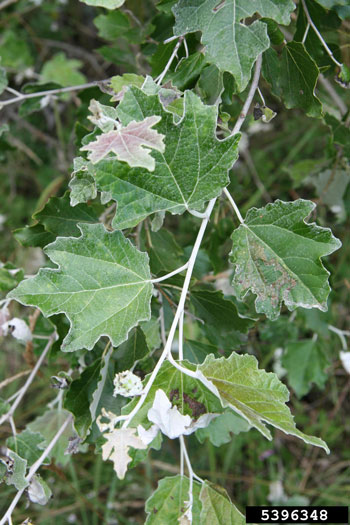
column 276, row 255
column 102, row 285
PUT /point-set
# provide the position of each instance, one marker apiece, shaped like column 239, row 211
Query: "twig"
column 333, row 94
column 25, row 96
column 9, row 380
column 320, row 37
column 29, row 380
column 167, row 348
column 34, row 468
column 168, row 275
column 168, row 64
column 249, row 98
column 234, row 205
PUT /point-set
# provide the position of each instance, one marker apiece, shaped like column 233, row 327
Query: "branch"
column 253, row 88
column 25, row 96
column 167, row 348
column 170, row 61
column 320, row 37
column 29, row 381
column 34, row 468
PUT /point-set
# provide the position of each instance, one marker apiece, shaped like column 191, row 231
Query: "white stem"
column 234, row 205
column 306, row 33
column 249, row 98
column 181, row 336
column 340, row 334
column 29, row 380
column 25, row 96
column 261, row 96
column 320, row 37
column 168, row 64
column 168, row 275
column 13, row 427
column 186, row 48
column 34, row 468
column 170, row 39
column 167, row 348
column 199, row 214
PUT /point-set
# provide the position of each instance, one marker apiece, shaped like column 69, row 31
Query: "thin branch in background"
column 320, row 37
column 34, row 468
column 29, row 381
column 25, row 96
column 255, row 175
column 333, row 94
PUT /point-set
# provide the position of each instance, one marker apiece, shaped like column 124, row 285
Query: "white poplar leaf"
column 345, row 359
column 147, row 436
column 117, row 447
column 168, row 418
column 131, row 144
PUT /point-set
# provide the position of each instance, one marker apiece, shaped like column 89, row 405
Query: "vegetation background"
column 66, row 43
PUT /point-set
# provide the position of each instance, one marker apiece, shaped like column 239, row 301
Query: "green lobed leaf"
column 18, row 471
column 196, row 352
column 256, row 395
column 82, row 183
column 62, row 70
column 192, row 170
column 188, row 394
column 102, row 285
column 10, row 276
column 330, row 187
column 220, row 321
column 217, row 508
column 132, row 350
column 79, row 397
column 230, row 44
column 299, row 74
column 27, row 445
column 60, row 218
column 48, row 425
column 167, row 503
column 221, row 429
column 305, row 363
column 35, row 236
column 276, row 255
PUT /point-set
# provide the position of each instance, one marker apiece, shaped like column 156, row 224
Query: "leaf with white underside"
column 185, row 393
column 230, row 44
column 217, row 508
column 108, row 4
column 132, row 144
column 102, row 285
column 169, row 420
column 117, row 448
column 276, row 255
column 256, row 395
column 192, row 169
column 168, row 503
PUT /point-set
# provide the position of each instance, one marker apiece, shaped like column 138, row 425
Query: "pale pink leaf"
column 131, row 144
column 117, row 447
